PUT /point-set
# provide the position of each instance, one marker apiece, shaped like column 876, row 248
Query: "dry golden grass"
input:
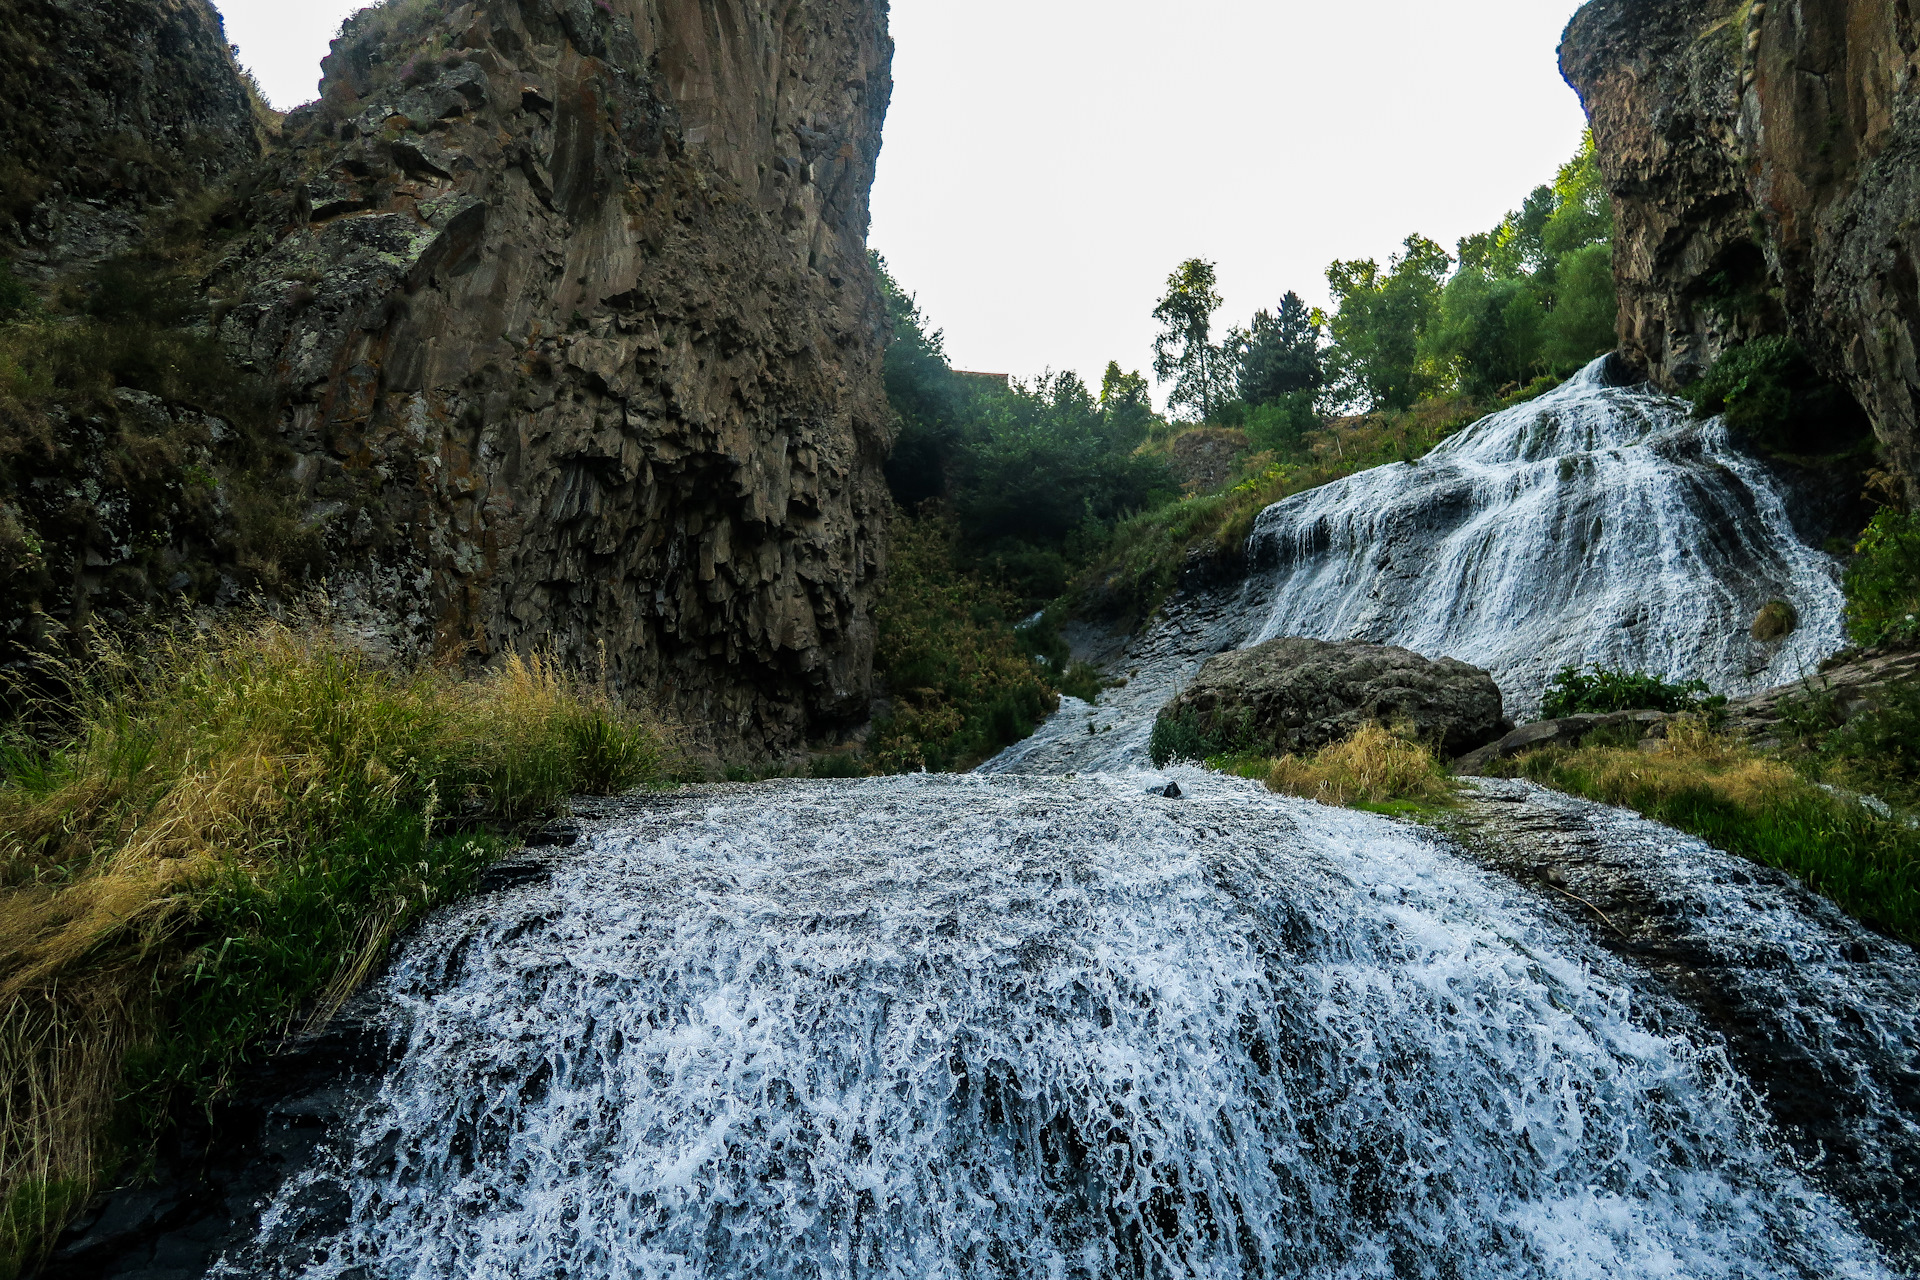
column 1761, row 807
column 222, row 838
column 1375, row 766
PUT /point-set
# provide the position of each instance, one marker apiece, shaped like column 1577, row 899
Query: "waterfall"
column 1042, row 1021
column 1597, row 523
column 1003, row 1027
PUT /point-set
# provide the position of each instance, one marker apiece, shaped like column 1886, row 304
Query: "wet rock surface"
column 1297, row 695
column 214, row 1172
column 1821, row 1014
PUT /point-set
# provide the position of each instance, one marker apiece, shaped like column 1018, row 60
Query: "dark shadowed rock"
column 1299, row 695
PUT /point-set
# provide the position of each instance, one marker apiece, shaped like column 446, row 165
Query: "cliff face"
column 573, row 337
column 108, row 110
column 1765, row 164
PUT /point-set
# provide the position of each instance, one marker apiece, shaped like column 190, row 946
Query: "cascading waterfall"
column 996, row 1027
column 1062, row 1026
column 1597, row 523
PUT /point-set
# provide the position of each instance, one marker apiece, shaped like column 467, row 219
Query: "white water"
column 1046, row 1026
column 996, row 1027
column 1594, row 524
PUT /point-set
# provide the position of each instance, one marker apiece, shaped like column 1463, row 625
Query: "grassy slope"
column 213, row 843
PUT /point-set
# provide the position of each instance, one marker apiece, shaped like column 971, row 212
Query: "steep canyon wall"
column 1764, row 160
column 574, row 342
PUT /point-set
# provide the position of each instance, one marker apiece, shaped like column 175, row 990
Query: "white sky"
column 1048, row 162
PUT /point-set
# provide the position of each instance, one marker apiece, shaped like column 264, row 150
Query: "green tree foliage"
column 1127, row 407
column 1883, row 582
column 1382, row 317
column 1184, row 350
column 1278, row 355
column 1034, row 475
column 1533, row 299
column 1577, row 691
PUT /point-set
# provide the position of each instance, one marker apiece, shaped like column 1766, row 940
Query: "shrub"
column 1375, row 768
column 213, row 837
column 962, row 684
column 1184, row 735
column 1577, row 691
column 1883, row 582
column 1771, row 395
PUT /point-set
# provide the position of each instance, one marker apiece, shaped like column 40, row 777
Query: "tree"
column 1279, row 356
column 1184, row 350
column 1375, row 357
column 1127, row 407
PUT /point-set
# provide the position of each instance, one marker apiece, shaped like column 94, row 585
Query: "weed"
column 1883, row 582
column 1375, row 768
column 1756, row 806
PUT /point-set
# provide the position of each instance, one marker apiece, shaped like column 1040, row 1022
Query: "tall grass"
column 1376, row 767
column 1756, row 806
column 212, row 839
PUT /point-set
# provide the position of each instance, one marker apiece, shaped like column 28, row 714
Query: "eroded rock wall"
column 570, row 305
column 1764, row 160
column 109, row 110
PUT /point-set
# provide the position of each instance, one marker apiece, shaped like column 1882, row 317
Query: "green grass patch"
column 210, row 838
column 1757, row 806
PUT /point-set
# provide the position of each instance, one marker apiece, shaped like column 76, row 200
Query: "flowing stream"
column 1043, row 1021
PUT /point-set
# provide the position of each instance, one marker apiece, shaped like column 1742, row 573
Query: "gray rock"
column 1298, row 695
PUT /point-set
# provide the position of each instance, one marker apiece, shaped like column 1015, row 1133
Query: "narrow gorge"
column 563, row 343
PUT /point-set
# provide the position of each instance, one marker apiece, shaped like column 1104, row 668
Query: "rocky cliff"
column 574, row 342
column 109, row 110
column 1764, row 160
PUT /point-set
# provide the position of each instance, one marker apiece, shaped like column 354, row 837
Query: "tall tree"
column 1375, row 358
column 1279, row 355
column 1184, row 349
column 1127, row 407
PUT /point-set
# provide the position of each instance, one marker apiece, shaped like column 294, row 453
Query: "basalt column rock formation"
column 570, row 306
column 1764, row 160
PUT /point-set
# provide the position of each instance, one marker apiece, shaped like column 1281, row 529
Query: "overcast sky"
column 1048, row 162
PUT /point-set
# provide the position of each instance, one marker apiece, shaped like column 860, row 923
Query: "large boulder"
column 1298, row 695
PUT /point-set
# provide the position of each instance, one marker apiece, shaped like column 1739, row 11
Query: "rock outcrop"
column 1764, row 160
column 567, row 314
column 1298, row 695
column 109, row 110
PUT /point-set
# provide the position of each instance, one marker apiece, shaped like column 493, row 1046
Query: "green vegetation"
column 1377, row 768
column 1883, row 581
column 209, row 838
column 1774, row 399
column 1763, row 808
column 962, row 683
column 1575, row 691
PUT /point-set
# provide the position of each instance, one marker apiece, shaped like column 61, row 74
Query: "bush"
column 1773, row 397
column 1600, row 690
column 213, row 837
column 1183, row 735
column 1883, row 582
column 962, row 684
